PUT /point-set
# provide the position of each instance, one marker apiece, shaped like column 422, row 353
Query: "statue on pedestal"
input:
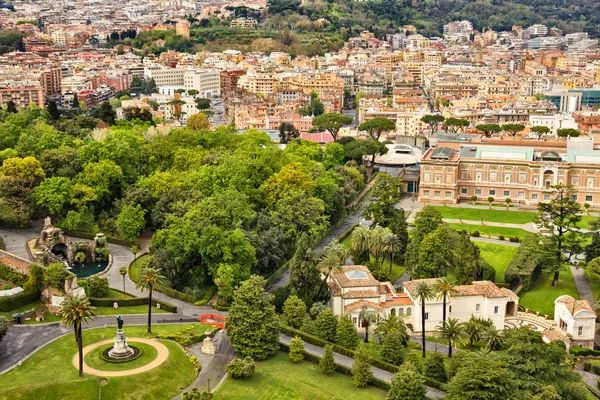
column 119, row 321
column 120, row 350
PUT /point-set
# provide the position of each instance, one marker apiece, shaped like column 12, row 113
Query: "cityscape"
column 300, row 199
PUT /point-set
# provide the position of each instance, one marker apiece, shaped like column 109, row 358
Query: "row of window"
column 477, row 308
column 505, row 193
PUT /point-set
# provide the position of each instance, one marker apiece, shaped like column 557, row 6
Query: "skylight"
column 356, row 274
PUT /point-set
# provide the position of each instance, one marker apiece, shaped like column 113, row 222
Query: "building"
column 229, row 81
column 577, row 319
column 538, row 30
column 206, row 81
column 182, row 28
column 165, row 76
column 587, row 120
column 574, row 99
column 22, row 93
column 244, row 23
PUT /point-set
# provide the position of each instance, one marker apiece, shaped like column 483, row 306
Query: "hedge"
column 9, row 274
column 206, row 296
column 91, row 236
column 183, row 340
column 136, row 301
column 583, row 351
column 317, row 341
column 526, row 265
column 221, row 308
column 9, row 303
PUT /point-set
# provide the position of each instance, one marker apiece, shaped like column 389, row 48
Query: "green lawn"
column 487, row 230
column 113, row 294
column 94, row 360
column 475, row 214
column 50, row 375
column 541, row 296
column 278, row 378
column 135, row 268
column 27, row 307
column 498, row 255
column 143, row 309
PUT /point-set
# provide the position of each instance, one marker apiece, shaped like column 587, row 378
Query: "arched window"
column 409, row 311
column 401, row 311
column 393, row 312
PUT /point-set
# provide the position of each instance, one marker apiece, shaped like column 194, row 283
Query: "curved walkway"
column 161, row 357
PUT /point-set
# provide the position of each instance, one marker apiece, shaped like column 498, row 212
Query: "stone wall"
column 17, row 263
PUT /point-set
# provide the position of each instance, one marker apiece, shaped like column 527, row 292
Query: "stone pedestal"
column 120, row 349
column 207, row 346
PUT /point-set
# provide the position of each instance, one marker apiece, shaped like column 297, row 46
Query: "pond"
column 83, row 270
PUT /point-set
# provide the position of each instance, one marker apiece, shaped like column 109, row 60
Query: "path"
column 588, row 378
column 162, row 354
column 530, row 226
column 348, row 362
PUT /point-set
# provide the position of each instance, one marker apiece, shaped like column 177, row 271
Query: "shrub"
column 595, row 369
column 204, row 297
column 296, row 350
column 475, row 234
column 361, row 370
column 393, row 350
column 501, row 237
column 346, row 335
column 526, row 265
column 583, row 351
column 326, row 325
column 241, row 369
column 195, row 363
column 2, row 246
column 456, row 363
column 294, row 311
column 3, row 327
column 434, row 367
column 514, row 239
column 7, row 287
column 9, row 274
column 56, row 274
column 97, row 286
column 35, row 282
column 194, row 394
column 102, row 253
column 9, row 303
column 327, row 363
column 587, row 366
column 407, row 383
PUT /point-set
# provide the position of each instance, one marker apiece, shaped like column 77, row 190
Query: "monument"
column 120, row 350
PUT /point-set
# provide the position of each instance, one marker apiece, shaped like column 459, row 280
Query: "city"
column 300, row 199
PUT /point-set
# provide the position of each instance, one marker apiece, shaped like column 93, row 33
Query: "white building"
column 577, row 319
column 206, row 81
column 538, row 30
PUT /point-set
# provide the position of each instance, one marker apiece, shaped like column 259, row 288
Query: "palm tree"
column 123, row 272
column 451, row 332
column 359, row 243
column 375, row 242
column 333, row 258
column 444, row 289
column 74, row 311
column 134, row 250
column 493, row 337
column 391, row 323
column 473, row 330
column 390, row 243
column 150, row 279
column 423, row 292
column 368, row 317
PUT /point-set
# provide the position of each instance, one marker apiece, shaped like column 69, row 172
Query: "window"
column 522, row 178
column 426, row 316
column 478, row 191
column 534, row 196
column 464, row 175
column 448, row 195
column 546, row 197
column 496, row 309
column 575, row 180
column 438, row 179
column 521, row 195
column 449, row 309
column 401, row 311
column 574, row 197
column 506, row 193
column 493, row 177
column 354, row 320
column 393, row 311
column 589, row 198
column 507, row 178
column 492, row 192
column 408, row 311
column 463, row 191
column 590, row 182
column 580, row 331
column 436, row 193
column 426, row 193
column 479, row 176
column 477, row 306
column 563, row 325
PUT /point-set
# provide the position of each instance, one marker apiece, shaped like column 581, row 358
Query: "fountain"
column 120, row 350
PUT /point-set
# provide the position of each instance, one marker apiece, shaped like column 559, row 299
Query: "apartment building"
column 206, row 81
column 22, row 93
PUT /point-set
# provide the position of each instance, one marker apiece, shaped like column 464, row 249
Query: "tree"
column 391, row 324
column 287, row 132
column 123, row 272
column 131, row 221
column 507, row 201
column 435, row 368
column 361, row 368
column 107, row 113
column 559, row 218
column 390, row 245
column 489, row 129
column 493, row 338
column 540, row 131
column 198, row 122
column 11, row 107
column 346, row 335
column 359, row 243
column 423, row 292
column 592, row 250
column 334, row 155
column 451, row 332
column 53, row 193
column 98, row 286
column 296, row 350
column 327, row 363
column 331, row 122
column 358, row 150
column 472, row 330
column 294, row 311
column 473, row 199
column 407, row 384
column 513, row 129
column 490, row 200
column 466, row 266
column 567, row 132
column 35, row 282
column 366, row 318
column 304, row 274
column 433, row 121
column 150, row 279
column 52, row 110
column 252, row 325
column 326, row 325
column 76, row 310
column 393, row 349
column 333, row 257
column 225, row 281
column 455, row 125
column 444, row 289
column 241, row 369
column 376, row 126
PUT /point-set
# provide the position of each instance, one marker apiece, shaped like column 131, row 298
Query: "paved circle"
column 161, row 357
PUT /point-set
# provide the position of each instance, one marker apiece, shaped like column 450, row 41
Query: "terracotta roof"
column 334, row 288
column 401, row 300
column 360, row 304
column 574, row 305
column 344, row 281
column 359, row 294
column 552, row 335
column 478, row 288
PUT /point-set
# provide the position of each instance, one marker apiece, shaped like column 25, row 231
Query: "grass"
column 135, row 268
column 35, row 305
column 498, row 255
column 143, row 309
column 475, row 214
column 397, row 270
column 94, row 360
column 50, row 375
column 279, row 378
column 113, row 294
column 487, row 230
column 48, row 317
column 541, row 296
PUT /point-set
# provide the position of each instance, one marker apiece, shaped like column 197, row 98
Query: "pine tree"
column 435, row 367
column 294, row 311
column 326, row 325
column 252, row 325
column 393, row 350
column 347, row 336
column 407, row 384
column 53, row 111
column 327, row 363
column 106, row 113
column 361, row 369
column 296, row 350
column 414, row 360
